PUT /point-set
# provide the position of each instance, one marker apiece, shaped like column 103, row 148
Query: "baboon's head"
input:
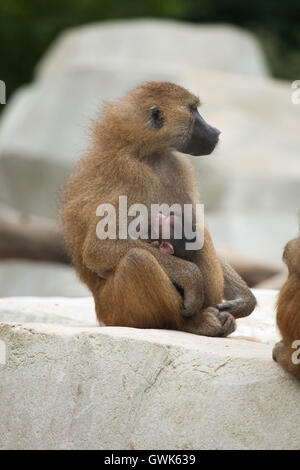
column 164, row 115
column 291, row 256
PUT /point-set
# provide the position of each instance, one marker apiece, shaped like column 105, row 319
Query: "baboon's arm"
column 239, row 300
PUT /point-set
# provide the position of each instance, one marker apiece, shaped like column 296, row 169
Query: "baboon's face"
column 177, row 119
column 291, row 255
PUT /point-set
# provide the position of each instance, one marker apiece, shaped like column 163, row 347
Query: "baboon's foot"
column 211, row 322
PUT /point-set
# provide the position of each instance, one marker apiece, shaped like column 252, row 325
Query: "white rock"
column 218, row 47
column 258, row 235
column 31, row 278
column 67, row 387
column 58, row 310
column 76, row 386
column 259, row 326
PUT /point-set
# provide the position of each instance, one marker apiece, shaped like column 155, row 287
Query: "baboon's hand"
column 227, row 322
column 233, row 306
column 238, row 307
column 211, row 322
column 240, row 301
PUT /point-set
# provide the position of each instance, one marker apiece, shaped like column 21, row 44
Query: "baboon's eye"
column 157, row 118
column 193, row 107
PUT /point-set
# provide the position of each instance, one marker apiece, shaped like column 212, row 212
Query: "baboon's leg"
column 139, row 294
column 283, row 356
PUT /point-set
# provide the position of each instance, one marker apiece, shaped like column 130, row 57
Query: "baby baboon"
column 133, row 154
column 169, row 243
column 287, row 351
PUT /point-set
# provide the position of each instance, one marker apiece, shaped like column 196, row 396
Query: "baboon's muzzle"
column 203, row 139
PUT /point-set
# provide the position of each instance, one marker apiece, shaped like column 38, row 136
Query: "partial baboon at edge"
column 134, row 152
column 288, row 312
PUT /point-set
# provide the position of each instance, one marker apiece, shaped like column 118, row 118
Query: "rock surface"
column 79, row 386
column 261, row 235
column 58, row 310
column 31, row 278
column 225, row 48
column 259, row 326
column 67, row 387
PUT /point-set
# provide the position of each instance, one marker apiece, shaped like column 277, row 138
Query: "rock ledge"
column 85, row 387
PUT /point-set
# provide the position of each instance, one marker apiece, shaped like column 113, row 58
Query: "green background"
column 27, row 27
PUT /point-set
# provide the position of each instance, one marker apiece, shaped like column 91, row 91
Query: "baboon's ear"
column 157, row 117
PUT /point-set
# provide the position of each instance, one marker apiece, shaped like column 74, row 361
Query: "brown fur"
column 288, row 310
column 129, row 157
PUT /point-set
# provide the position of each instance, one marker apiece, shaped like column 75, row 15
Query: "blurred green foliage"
column 27, row 27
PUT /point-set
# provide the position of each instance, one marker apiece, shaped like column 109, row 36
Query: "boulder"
column 225, row 48
column 260, row 235
column 259, row 326
column 84, row 387
column 58, row 310
column 31, row 278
